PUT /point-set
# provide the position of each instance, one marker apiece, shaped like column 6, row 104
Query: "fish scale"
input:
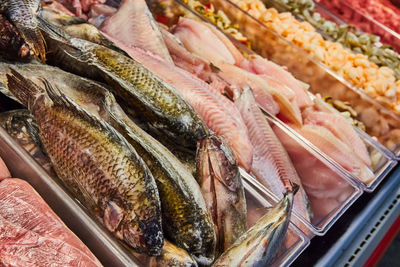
column 128, row 202
column 160, row 104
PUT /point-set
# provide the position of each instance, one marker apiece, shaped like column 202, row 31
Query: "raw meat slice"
column 33, row 234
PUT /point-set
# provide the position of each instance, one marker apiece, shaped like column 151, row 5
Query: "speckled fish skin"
column 161, row 105
column 260, row 244
column 221, row 185
column 22, row 13
column 186, row 220
column 98, row 165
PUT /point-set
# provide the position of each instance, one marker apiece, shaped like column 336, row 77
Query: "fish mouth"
column 145, row 237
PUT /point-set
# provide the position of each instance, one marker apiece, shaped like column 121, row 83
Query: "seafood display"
column 185, row 146
column 365, row 14
column 332, row 28
column 31, row 233
column 329, row 68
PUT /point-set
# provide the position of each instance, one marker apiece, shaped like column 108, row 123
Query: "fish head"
column 215, row 155
column 144, row 236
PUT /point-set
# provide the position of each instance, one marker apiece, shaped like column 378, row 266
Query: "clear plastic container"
column 320, row 176
column 380, row 121
column 296, row 241
column 323, row 81
column 381, row 157
column 364, row 22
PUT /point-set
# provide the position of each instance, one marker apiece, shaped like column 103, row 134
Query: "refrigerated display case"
column 348, row 235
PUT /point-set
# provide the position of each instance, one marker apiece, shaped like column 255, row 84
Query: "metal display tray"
column 104, row 246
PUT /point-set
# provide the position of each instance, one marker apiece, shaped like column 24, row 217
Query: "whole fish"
column 160, row 104
column 220, row 181
column 271, row 163
column 97, row 164
column 22, row 13
column 21, row 125
column 12, row 45
column 185, row 217
column 260, row 244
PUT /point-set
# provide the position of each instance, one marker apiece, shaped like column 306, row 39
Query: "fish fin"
column 113, row 215
column 53, row 31
column 23, row 89
column 35, row 40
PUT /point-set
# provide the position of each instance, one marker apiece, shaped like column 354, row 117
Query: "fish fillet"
column 133, row 24
column 259, row 65
column 337, row 150
column 271, row 163
column 319, row 181
column 341, row 129
column 201, row 40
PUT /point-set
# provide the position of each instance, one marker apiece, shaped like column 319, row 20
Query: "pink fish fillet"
column 271, row 164
column 341, row 129
column 4, row 172
column 319, row 181
column 219, row 114
column 266, row 96
column 133, row 24
column 185, row 59
column 259, row 65
column 337, row 150
column 201, row 40
column 31, row 234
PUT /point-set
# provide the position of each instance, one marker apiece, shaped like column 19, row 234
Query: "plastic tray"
column 380, row 167
column 326, row 164
column 380, row 121
column 364, row 22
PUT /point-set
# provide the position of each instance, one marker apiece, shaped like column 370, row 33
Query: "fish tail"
column 23, row 89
